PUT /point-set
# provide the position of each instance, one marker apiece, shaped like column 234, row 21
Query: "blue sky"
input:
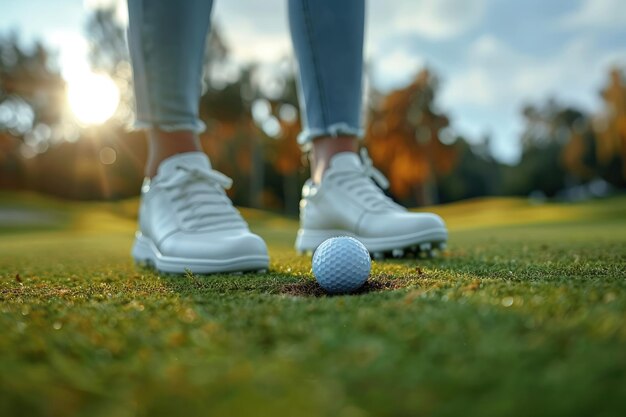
column 492, row 56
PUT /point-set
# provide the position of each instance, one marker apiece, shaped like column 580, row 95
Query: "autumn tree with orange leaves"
column 403, row 138
column 610, row 129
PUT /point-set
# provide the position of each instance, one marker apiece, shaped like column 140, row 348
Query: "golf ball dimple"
column 341, row 264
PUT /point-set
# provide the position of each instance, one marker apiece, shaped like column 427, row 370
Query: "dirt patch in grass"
column 310, row 288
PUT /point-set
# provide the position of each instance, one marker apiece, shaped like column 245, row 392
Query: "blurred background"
column 463, row 99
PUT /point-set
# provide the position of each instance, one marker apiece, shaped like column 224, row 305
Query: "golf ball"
column 341, row 264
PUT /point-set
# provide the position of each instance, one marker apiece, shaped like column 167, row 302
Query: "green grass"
column 525, row 315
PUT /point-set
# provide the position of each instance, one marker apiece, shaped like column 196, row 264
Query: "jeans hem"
column 305, row 138
column 197, row 127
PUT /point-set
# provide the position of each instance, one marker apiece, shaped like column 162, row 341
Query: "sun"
column 93, row 98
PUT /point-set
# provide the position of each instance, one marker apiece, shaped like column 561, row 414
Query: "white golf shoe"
column 186, row 221
column 348, row 203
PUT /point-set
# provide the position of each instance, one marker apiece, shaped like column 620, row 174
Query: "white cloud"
column 247, row 45
column 254, row 31
column 471, row 87
column 433, row 19
column 397, row 68
column 600, row 14
column 489, row 92
column 497, row 75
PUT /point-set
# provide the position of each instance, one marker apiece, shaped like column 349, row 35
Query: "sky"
column 492, row 56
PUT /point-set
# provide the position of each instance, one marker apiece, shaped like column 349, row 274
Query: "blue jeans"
column 167, row 42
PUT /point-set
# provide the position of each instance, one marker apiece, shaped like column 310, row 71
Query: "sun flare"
column 93, row 98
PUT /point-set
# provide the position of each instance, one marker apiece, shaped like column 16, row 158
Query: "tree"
column 403, row 139
column 32, row 98
column 31, row 93
column 610, row 130
column 475, row 174
column 284, row 152
column 555, row 151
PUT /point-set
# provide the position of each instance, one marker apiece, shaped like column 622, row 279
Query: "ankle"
column 324, row 148
column 162, row 145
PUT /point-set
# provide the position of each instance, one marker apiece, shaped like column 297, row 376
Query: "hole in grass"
column 310, row 288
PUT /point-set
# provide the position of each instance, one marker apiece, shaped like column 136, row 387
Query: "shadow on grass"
column 297, row 285
column 310, row 288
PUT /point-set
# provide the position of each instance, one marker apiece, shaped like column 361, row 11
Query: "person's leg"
column 162, row 145
column 186, row 220
column 328, row 41
column 342, row 198
column 167, row 43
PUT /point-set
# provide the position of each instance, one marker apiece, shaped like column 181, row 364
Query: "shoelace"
column 370, row 170
column 201, row 200
column 359, row 183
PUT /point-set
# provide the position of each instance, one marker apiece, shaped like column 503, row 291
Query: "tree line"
column 252, row 122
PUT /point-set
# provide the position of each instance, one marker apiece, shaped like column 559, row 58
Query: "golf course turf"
column 524, row 315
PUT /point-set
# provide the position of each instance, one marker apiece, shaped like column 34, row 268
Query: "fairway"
column 524, row 315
